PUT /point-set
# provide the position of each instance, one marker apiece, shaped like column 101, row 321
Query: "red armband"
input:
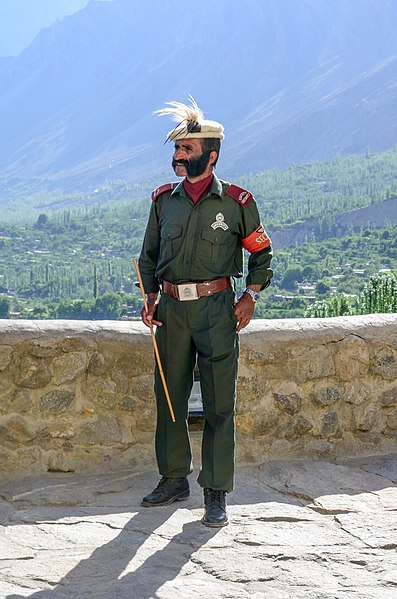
column 258, row 240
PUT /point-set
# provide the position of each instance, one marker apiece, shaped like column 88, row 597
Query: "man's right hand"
column 148, row 317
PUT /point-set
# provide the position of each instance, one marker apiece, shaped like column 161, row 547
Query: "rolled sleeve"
column 259, row 271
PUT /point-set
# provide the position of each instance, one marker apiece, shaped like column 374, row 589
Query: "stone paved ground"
column 313, row 530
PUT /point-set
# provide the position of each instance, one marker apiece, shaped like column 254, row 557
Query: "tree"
column 338, row 305
column 292, row 276
column 4, row 307
column 322, row 288
column 75, row 309
column 378, row 295
column 95, row 289
column 108, row 306
column 42, row 221
column 309, row 272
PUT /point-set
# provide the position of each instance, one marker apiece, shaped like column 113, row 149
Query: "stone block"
column 265, row 421
column 367, row 420
column 146, row 422
column 57, row 401
column 389, row 397
column 23, row 460
column 325, row 396
column 265, row 363
column 385, row 363
column 129, row 404
column 62, row 429
column 44, row 347
column 76, row 344
column 351, row 358
column 104, row 431
column 330, row 425
column 68, row 367
column 392, row 421
column 298, row 428
column 138, row 361
column 15, row 431
column 59, row 461
column 288, row 403
column 142, row 387
column 120, row 380
column 6, row 458
column 310, row 363
column 358, row 392
column 96, row 364
column 102, row 393
column 16, row 400
column 5, row 356
column 31, row 372
column 250, row 392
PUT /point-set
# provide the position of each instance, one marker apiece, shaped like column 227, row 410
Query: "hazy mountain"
column 21, row 20
column 292, row 80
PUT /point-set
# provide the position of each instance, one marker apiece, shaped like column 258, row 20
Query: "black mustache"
column 179, row 162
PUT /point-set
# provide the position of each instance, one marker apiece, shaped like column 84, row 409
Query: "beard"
column 195, row 166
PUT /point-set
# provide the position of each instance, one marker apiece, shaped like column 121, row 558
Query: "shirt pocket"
column 215, row 245
column 171, row 238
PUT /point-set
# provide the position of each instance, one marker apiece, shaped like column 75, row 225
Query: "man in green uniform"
column 192, row 249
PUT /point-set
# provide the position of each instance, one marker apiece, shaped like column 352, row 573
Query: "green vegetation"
column 70, row 263
column 378, row 296
column 71, row 255
column 328, row 273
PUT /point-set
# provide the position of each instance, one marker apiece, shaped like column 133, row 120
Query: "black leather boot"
column 167, row 491
column 215, row 515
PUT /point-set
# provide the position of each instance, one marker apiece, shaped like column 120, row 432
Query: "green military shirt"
column 188, row 242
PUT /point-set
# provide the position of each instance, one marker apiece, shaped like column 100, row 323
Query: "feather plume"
column 182, row 113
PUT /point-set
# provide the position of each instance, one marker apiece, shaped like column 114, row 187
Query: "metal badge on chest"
column 220, row 222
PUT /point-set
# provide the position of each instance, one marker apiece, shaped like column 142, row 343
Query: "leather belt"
column 191, row 291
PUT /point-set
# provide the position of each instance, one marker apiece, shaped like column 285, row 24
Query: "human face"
column 190, row 161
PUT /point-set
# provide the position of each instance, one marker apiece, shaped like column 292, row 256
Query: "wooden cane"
column 156, row 349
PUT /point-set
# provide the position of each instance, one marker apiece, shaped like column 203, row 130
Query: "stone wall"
column 77, row 396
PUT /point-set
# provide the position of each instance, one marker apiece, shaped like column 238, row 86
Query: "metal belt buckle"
column 187, row 292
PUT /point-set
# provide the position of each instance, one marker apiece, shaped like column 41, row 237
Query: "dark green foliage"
column 338, row 305
column 4, row 307
column 379, row 295
column 322, row 288
column 107, row 307
column 291, row 277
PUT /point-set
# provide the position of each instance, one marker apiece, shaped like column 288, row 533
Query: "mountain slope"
column 21, row 20
column 291, row 80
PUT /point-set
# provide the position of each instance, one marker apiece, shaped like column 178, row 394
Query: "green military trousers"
column 204, row 329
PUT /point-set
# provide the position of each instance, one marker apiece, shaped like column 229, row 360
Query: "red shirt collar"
column 198, row 189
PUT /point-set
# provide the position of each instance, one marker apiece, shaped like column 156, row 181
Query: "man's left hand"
column 244, row 310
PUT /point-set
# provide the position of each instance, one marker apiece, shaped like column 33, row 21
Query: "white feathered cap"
column 191, row 122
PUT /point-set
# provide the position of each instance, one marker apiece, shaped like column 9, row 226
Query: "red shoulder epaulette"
column 242, row 196
column 162, row 189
